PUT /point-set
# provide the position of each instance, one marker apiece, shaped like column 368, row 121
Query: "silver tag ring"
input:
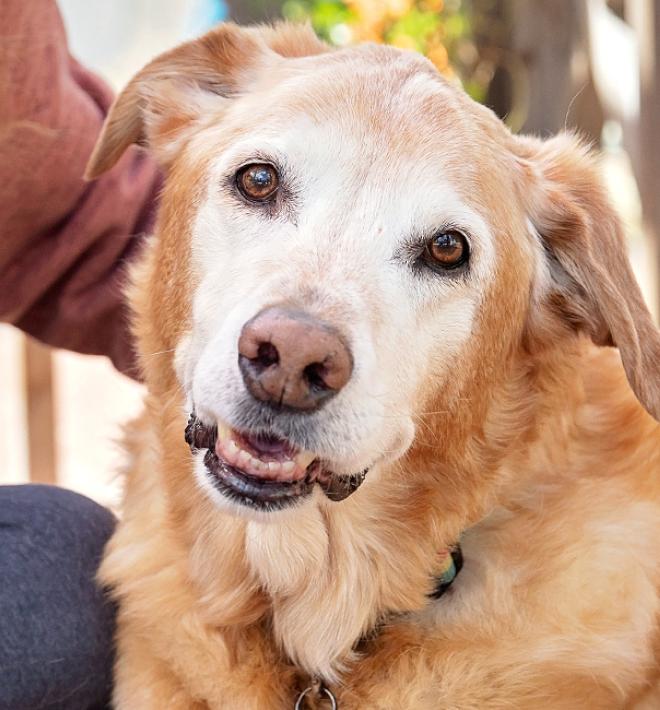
column 323, row 690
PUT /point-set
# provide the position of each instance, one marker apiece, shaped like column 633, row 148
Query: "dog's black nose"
column 289, row 358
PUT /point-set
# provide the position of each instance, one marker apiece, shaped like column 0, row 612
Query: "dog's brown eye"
column 447, row 250
column 258, row 182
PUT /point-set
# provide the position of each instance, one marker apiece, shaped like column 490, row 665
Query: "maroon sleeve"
column 64, row 243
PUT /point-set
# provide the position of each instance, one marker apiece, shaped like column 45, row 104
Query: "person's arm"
column 64, row 242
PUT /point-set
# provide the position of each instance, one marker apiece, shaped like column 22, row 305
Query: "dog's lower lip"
column 251, row 491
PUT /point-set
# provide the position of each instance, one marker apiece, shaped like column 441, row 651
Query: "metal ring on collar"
column 323, row 690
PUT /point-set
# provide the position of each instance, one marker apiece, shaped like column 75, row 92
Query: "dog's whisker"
column 161, row 352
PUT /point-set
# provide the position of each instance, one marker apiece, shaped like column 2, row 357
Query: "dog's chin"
column 263, row 472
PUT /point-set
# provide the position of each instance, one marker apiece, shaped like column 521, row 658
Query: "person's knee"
column 20, row 503
column 57, row 629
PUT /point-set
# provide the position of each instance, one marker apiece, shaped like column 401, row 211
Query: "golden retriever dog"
column 385, row 325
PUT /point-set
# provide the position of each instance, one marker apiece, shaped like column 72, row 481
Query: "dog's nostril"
column 314, row 375
column 267, row 355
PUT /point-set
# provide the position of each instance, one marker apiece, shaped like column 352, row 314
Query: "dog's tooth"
column 290, row 471
column 243, row 458
column 250, row 468
column 223, row 431
column 230, row 450
column 274, row 468
column 257, row 465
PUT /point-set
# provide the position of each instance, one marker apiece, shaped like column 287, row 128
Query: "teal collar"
column 451, row 564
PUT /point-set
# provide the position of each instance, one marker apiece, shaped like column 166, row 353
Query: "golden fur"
column 536, row 453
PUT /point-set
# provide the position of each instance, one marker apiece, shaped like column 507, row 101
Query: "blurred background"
column 546, row 65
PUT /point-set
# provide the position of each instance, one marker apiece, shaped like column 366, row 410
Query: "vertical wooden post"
column 542, row 79
column 40, row 412
column 644, row 15
column 245, row 11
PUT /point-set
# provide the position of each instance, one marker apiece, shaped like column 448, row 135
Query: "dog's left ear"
column 589, row 285
column 180, row 86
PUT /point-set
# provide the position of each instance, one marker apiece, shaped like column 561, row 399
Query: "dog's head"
column 348, row 247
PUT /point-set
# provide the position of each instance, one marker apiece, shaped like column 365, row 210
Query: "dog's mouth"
column 261, row 470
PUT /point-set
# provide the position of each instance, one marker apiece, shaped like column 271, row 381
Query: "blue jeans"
column 56, row 625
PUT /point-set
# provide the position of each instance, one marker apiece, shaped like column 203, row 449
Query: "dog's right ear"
column 172, row 91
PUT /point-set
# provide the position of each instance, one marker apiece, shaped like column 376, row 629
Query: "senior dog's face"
column 351, row 246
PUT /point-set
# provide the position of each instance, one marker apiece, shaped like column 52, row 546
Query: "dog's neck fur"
column 326, row 574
